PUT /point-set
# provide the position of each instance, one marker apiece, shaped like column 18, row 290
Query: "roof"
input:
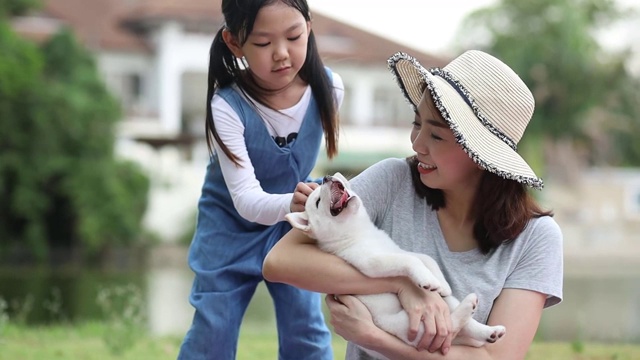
column 121, row 25
column 98, row 25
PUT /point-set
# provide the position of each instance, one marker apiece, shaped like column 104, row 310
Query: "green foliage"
column 4, row 317
column 60, row 185
column 16, row 7
column 189, row 230
column 577, row 346
column 123, row 307
column 580, row 88
column 624, row 124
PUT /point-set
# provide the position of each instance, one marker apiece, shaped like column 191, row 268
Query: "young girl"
column 269, row 102
column 463, row 200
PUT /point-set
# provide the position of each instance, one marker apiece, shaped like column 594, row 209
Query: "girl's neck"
column 283, row 98
column 288, row 96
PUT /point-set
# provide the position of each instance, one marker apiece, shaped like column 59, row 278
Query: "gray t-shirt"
column 533, row 261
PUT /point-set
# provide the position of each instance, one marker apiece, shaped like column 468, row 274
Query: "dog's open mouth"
column 339, row 198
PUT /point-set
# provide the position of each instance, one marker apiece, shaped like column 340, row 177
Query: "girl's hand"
column 300, row 195
column 428, row 308
column 351, row 319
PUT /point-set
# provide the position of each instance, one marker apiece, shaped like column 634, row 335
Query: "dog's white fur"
column 351, row 235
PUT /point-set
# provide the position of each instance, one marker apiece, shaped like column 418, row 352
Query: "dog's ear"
column 299, row 220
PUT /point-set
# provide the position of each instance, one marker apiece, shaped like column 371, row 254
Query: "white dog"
column 335, row 217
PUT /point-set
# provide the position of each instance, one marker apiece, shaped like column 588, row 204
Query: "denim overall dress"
column 227, row 251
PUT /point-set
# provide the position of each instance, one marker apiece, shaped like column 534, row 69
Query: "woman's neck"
column 457, row 221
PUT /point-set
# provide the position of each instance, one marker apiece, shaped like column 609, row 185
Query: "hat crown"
column 498, row 92
column 485, row 103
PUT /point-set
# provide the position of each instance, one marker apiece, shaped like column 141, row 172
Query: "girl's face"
column 276, row 48
column 443, row 164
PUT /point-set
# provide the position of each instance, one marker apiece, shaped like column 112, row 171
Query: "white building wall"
column 169, row 74
column 177, row 53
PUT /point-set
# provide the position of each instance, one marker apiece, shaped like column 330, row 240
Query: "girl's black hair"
column 502, row 207
column 224, row 69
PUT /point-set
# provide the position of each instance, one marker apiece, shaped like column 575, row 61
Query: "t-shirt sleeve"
column 376, row 185
column 540, row 267
column 338, row 89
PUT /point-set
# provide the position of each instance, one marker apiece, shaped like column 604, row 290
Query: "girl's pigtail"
column 223, row 69
column 315, row 74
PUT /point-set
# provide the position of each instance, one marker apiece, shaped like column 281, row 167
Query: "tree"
column 60, row 185
column 16, row 7
column 581, row 91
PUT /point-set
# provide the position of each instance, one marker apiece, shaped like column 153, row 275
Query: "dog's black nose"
column 326, row 178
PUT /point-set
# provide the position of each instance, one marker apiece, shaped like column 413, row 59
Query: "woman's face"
column 442, row 163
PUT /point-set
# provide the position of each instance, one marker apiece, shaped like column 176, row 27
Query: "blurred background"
column 103, row 153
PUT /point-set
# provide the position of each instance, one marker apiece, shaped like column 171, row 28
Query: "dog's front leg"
column 432, row 265
column 397, row 264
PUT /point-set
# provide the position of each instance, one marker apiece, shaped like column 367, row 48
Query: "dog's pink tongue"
column 343, row 199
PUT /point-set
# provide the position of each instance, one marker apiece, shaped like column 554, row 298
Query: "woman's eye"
column 435, row 137
column 415, row 124
column 318, row 203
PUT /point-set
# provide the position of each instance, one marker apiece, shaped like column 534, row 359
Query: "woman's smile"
column 424, row 169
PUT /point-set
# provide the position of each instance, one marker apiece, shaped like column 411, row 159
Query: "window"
column 632, row 201
column 383, row 108
column 129, row 89
column 390, row 108
column 345, row 108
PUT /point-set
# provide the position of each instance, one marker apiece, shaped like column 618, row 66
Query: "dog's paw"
column 427, row 282
column 429, row 285
column 497, row 333
column 464, row 312
column 445, row 290
column 470, row 302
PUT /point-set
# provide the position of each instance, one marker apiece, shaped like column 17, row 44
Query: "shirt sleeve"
column 338, row 89
column 540, row 267
column 376, row 184
column 249, row 199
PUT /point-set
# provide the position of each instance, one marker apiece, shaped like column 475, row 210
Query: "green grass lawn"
column 87, row 342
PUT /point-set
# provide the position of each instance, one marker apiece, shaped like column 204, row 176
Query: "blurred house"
column 599, row 211
column 153, row 55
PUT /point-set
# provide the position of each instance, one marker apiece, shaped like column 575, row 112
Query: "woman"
column 463, row 200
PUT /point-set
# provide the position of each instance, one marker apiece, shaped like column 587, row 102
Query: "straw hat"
column 485, row 103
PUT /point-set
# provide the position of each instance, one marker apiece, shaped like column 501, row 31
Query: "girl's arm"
column 297, row 261
column 249, row 199
column 518, row 310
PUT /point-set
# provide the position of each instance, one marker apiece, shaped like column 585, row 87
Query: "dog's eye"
column 318, row 203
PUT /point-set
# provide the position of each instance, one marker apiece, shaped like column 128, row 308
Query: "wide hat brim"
column 485, row 147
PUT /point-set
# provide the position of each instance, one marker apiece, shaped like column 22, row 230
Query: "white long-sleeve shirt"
column 249, row 199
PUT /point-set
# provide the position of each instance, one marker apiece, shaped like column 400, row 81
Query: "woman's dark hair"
column 502, row 207
column 224, row 70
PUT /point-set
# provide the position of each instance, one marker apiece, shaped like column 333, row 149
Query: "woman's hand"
column 427, row 308
column 351, row 319
column 300, row 195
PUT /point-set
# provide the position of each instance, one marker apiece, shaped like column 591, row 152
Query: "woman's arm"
column 518, row 310
column 297, row 261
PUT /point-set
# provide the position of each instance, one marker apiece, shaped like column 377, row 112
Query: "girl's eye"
column 295, row 38
column 318, row 203
column 261, row 44
column 435, row 137
column 415, row 124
